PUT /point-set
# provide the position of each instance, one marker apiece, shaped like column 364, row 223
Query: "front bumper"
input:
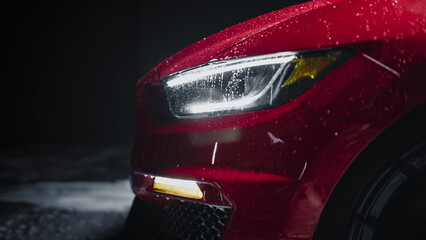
column 274, row 168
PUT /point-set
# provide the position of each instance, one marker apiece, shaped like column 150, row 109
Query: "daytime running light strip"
column 226, row 66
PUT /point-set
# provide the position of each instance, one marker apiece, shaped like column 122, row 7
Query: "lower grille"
column 187, row 220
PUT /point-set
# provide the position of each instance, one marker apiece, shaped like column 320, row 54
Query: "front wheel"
column 383, row 194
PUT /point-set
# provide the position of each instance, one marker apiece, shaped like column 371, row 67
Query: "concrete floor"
column 64, row 191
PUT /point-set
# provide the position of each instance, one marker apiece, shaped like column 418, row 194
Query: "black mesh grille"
column 187, row 220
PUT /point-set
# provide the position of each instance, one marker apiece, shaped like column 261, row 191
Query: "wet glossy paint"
column 278, row 167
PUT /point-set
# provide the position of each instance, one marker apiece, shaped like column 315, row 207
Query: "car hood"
column 206, row 49
column 310, row 25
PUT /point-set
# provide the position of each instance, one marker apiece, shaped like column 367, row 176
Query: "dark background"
column 70, row 68
column 68, row 103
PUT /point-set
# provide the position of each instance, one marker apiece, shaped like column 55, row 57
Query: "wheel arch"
column 405, row 131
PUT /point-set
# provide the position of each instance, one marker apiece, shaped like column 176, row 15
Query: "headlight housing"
column 247, row 84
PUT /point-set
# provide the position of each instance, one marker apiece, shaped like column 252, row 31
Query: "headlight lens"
column 247, row 84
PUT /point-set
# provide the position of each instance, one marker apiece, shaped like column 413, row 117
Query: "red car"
column 304, row 123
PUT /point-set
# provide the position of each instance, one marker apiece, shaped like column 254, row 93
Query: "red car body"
column 276, row 168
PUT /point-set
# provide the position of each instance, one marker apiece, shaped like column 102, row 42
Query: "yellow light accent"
column 177, row 187
column 308, row 67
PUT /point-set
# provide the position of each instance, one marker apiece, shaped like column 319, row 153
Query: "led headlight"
column 247, row 84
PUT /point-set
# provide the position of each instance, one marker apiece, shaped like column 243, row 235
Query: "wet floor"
column 63, row 191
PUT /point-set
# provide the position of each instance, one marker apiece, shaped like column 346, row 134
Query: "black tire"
column 383, row 193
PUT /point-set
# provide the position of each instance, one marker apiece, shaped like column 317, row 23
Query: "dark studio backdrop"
column 70, row 68
column 68, row 104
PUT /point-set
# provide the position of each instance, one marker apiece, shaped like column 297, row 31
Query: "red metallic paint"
column 278, row 166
